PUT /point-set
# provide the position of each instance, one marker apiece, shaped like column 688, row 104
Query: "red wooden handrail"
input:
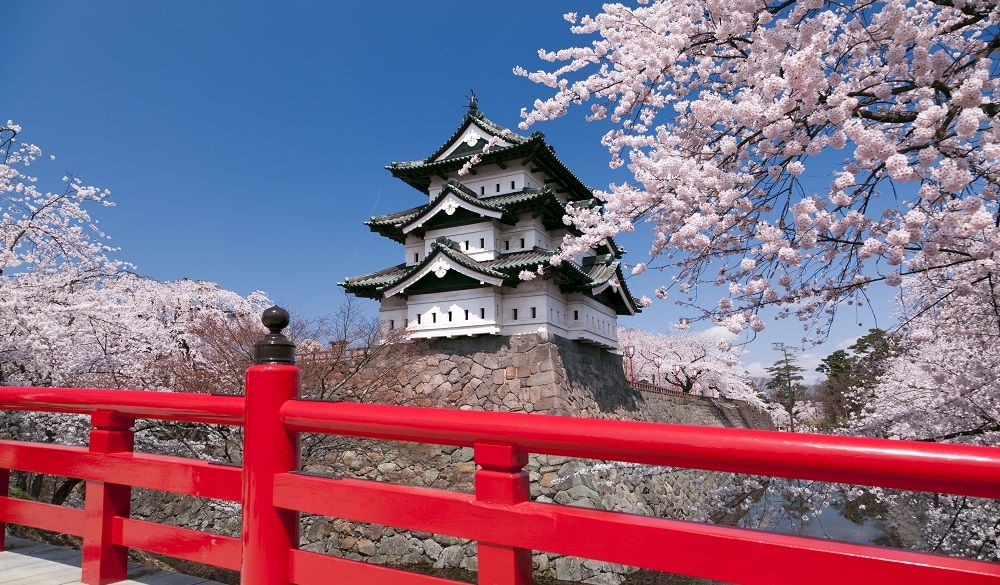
column 933, row 467
column 177, row 406
column 499, row 515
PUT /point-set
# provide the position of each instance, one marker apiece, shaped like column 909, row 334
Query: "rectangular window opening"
column 482, row 313
column 466, row 244
column 576, row 315
column 434, row 317
column 522, row 242
column 534, row 313
column 482, row 243
column 514, row 314
column 506, row 244
column 512, row 184
column 418, row 319
column 392, row 324
column 449, row 316
column 466, row 314
column 482, row 190
column 416, row 257
column 498, row 187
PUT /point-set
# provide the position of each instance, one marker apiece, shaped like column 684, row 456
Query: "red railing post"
column 501, row 479
column 269, row 533
column 4, row 492
column 104, row 561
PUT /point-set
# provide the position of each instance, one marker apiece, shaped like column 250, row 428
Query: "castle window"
column 576, row 315
column 512, row 184
column 406, row 322
column 466, row 244
column 434, row 317
column 482, row 313
column 482, row 190
column 466, row 314
column 522, row 242
column 514, row 314
column 506, row 244
column 449, row 316
column 416, row 256
column 482, row 243
column 533, row 313
column 498, row 187
column 418, row 318
column 392, row 324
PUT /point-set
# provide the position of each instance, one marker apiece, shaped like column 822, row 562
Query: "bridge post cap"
column 275, row 319
column 274, row 348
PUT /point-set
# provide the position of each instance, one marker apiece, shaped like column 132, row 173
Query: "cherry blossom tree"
column 688, row 363
column 790, row 153
column 47, row 231
column 941, row 384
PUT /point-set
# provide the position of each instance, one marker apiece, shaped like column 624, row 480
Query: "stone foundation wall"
column 543, row 373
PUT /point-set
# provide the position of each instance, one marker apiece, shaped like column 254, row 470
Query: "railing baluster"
column 501, row 479
column 103, row 561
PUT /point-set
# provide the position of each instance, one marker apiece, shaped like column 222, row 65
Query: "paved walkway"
column 26, row 562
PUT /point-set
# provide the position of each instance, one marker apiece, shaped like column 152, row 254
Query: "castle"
column 465, row 248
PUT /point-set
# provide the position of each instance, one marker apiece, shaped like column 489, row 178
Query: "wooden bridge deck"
column 26, row 562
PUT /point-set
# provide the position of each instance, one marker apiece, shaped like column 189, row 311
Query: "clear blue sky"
column 244, row 142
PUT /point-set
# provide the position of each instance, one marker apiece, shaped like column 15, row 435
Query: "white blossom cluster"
column 687, row 362
column 944, row 387
column 729, row 115
column 72, row 316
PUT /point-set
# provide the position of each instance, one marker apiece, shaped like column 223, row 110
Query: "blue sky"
column 244, row 142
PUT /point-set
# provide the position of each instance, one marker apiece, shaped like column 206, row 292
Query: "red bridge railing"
column 500, row 515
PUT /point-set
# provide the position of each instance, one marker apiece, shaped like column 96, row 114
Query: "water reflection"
column 838, row 519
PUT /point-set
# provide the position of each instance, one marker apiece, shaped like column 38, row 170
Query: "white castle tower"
column 465, row 247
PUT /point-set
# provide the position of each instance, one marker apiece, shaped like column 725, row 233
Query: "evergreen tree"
column 852, row 374
column 785, row 383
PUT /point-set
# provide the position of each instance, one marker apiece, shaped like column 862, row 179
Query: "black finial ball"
column 275, row 319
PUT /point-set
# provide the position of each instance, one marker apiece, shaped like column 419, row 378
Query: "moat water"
column 836, row 521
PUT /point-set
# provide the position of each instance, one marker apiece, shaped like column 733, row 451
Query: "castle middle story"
column 466, row 246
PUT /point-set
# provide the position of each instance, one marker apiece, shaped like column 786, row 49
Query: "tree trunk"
column 64, row 490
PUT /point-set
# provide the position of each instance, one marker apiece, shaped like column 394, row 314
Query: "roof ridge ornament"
column 474, row 105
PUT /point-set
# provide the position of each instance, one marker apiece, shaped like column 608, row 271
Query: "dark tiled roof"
column 391, row 225
column 396, row 218
column 513, row 264
column 505, row 266
column 373, row 284
column 417, row 172
column 378, row 279
column 489, row 126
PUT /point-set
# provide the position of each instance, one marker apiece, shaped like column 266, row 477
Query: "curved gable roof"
column 453, row 196
column 445, row 256
column 473, row 117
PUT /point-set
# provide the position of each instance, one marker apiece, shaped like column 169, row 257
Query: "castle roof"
column 599, row 276
column 454, row 196
column 455, row 152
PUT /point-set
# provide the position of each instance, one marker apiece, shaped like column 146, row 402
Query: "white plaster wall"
column 392, row 312
column 477, row 240
column 413, row 250
column 433, row 313
column 594, row 321
column 527, row 228
column 484, row 182
column 554, row 312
